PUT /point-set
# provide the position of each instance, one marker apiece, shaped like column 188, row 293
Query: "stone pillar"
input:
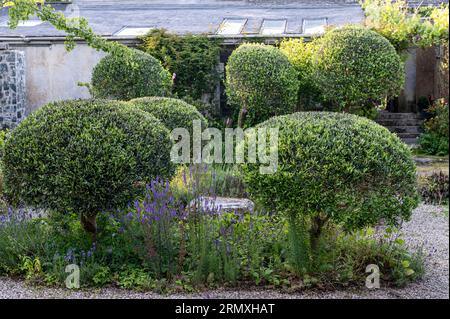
column 12, row 87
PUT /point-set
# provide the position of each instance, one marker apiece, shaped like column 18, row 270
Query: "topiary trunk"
column 89, row 223
column 317, row 224
column 242, row 115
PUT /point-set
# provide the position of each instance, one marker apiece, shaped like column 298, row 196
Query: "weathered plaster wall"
column 12, row 88
column 53, row 73
column 426, row 69
column 407, row 99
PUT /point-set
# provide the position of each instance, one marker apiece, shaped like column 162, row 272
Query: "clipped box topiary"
column 130, row 74
column 261, row 82
column 173, row 113
column 85, row 157
column 335, row 167
column 355, row 67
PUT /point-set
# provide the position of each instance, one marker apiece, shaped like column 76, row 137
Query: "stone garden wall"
column 12, row 88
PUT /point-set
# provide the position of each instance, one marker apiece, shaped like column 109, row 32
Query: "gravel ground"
column 429, row 227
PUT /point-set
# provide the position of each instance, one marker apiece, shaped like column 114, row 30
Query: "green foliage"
column 301, row 54
column 335, row 167
column 209, row 111
column 171, row 112
column 162, row 245
column 130, row 76
column 434, row 140
column 404, row 27
column 3, row 205
column 261, row 82
column 355, row 67
column 345, row 257
column 433, row 144
column 3, row 134
column 84, row 156
column 434, row 189
column 193, row 59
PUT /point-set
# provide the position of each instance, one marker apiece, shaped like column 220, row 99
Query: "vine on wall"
column 75, row 28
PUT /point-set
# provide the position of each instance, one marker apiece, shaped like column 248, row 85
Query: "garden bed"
column 428, row 227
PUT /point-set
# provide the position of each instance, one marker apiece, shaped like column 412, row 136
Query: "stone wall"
column 12, row 88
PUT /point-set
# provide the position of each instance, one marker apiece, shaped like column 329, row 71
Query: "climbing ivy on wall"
column 192, row 58
column 22, row 10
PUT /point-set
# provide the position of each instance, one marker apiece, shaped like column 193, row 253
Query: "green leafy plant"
column 355, row 67
column 337, row 168
column 435, row 139
column 160, row 244
column 302, row 54
column 192, row 58
column 346, row 256
column 85, row 157
column 173, row 113
column 125, row 77
column 405, row 27
column 260, row 82
column 31, row 267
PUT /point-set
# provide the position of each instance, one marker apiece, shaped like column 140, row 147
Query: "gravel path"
column 429, row 227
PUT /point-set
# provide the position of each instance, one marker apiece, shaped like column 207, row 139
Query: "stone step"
column 405, row 129
column 410, row 141
column 399, row 122
column 386, row 115
column 408, row 135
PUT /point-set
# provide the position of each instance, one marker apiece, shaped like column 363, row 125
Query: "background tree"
column 356, row 68
column 261, row 83
column 143, row 76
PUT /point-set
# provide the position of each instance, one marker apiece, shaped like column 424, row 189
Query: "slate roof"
column 107, row 17
column 416, row 3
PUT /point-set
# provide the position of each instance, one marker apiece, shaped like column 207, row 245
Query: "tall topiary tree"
column 84, row 157
column 261, row 82
column 335, row 167
column 130, row 76
column 355, row 68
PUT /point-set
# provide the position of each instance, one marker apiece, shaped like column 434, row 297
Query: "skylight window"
column 271, row 27
column 314, row 26
column 133, row 31
column 231, row 26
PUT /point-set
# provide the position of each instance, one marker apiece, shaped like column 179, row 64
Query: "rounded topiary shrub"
column 336, row 167
column 128, row 75
column 171, row 112
column 261, row 82
column 85, row 157
column 356, row 67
